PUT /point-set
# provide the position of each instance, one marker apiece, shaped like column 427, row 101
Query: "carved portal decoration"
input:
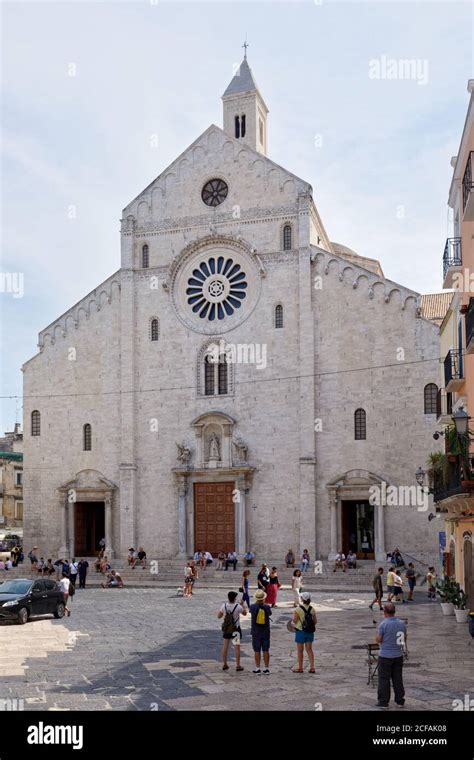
column 240, row 449
column 184, row 453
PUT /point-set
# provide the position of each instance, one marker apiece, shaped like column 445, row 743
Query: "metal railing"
column 467, row 183
column 453, row 369
column 452, row 256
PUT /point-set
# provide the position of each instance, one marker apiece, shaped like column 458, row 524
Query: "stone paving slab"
column 144, row 649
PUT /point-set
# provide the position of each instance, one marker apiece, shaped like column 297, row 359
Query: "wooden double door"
column 214, row 517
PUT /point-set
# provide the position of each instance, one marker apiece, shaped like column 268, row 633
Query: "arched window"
column 360, row 432
column 431, row 392
column 209, row 368
column 242, row 126
column 216, row 376
column 237, row 126
column 287, row 241
column 222, row 377
column 35, row 423
column 145, row 257
column 87, row 434
column 279, row 316
column 154, row 329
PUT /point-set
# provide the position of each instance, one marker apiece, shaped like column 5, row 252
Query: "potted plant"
column 460, row 601
column 446, row 590
column 438, row 470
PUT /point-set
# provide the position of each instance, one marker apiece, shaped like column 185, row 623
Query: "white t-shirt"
column 228, row 607
column 297, row 579
column 73, row 568
column 64, row 585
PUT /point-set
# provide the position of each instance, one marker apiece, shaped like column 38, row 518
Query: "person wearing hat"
column 261, row 614
column 304, row 621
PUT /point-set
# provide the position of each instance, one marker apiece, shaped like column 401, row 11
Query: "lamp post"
column 461, row 423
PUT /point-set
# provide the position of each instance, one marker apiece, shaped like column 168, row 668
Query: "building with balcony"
column 11, row 480
column 454, row 497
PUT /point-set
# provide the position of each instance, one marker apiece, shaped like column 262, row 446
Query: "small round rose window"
column 214, row 192
column 216, row 288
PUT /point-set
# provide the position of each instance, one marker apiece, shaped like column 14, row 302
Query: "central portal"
column 358, row 528
column 89, row 527
column 214, row 517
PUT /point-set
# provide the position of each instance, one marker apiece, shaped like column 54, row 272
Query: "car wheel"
column 59, row 611
column 23, row 616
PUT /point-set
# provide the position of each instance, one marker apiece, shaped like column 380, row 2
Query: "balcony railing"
column 467, row 182
column 444, row 404
column 452, row 256
column 453, row 369
column 453, row 485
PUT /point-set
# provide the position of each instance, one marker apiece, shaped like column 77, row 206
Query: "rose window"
column 214, row 192
column 216, row 288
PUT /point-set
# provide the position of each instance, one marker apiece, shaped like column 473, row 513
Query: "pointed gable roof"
column 243, row 81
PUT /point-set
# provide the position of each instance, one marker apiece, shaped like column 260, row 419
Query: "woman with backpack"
column 231, row 631
column 305, row 621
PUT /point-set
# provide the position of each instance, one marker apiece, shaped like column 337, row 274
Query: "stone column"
column 64, row 521
column 333, row 538
column 109, row 541
column 182, row 527
column 240, row 517
column 380, row 554
column 71, row 536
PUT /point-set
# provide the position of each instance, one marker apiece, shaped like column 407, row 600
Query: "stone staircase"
column 169, row 573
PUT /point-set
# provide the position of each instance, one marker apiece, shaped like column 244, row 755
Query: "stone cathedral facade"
column 240, row 382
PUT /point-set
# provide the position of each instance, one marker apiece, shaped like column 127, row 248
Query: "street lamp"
column 461, row 419
column 420, row 476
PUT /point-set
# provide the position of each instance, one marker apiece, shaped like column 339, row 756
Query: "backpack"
column 72, row 590
column 229, row 625
column 261, row 618
column 307, row 624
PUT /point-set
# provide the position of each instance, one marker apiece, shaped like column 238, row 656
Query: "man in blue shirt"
column 392, row 636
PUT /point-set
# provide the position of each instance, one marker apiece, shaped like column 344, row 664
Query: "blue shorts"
column 391, row 589
column 303, row 637
column 261, row 641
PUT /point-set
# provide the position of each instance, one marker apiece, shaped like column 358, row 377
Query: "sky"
column 86, row 86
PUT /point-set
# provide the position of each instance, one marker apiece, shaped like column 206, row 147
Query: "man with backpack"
column 305, row 621
column 261, row 614
column 231, row 631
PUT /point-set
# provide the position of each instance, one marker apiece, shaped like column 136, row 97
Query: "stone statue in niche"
column 241, row 449
column 214, row 453
column 184, row 453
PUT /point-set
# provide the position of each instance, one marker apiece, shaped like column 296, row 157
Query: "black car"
column 22, row 598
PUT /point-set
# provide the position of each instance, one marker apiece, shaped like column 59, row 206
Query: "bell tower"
column 245, row 112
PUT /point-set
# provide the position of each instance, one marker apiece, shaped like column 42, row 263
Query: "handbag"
column 241, row 591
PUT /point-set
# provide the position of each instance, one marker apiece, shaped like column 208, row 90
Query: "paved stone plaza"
column 146, row 649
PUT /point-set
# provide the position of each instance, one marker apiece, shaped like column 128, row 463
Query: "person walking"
column 392, row 636
column 390, row 583
column 304, row 620
column 296, row 582
column 263, row 578
column 272, row 588
column 188, row 580
column 73, row 571
column 410, row 575
column 378, row 588
column 261, row 614
column 398, row 587
column 82, row 569
column 245, row 587
column 431, row 580
column 65, row 586
column 231, row 631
